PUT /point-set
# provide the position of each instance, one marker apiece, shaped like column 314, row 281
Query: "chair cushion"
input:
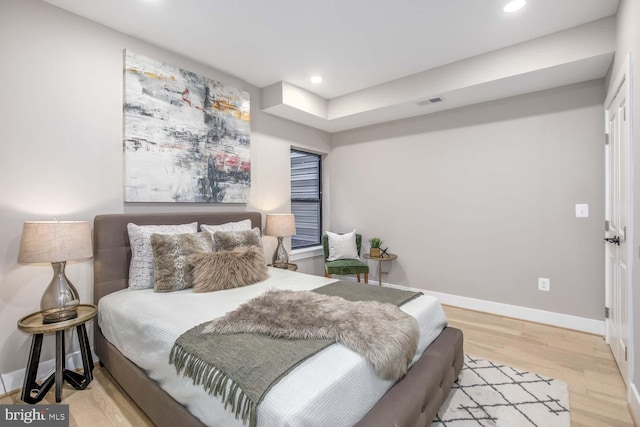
column 346, row 266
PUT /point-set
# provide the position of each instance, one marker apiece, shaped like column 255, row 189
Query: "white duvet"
column 335, row 387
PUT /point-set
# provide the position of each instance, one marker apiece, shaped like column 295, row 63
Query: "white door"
column 618, row 233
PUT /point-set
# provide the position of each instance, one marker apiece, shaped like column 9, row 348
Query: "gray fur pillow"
column 229, row 240
column 171, row 269
column 221, row 270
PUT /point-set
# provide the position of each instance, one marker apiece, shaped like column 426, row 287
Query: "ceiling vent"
column 430, row 101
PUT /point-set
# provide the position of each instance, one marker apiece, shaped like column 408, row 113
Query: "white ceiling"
column 353, row 44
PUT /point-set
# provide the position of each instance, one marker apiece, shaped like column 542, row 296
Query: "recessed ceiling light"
column 514, row 5
column 316, row 79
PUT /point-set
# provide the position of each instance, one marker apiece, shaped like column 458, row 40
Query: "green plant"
column 375, row 242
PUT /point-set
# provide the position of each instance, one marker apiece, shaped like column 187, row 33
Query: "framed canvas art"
column 186, row 137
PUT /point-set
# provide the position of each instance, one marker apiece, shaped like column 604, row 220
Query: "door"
column 618, row 231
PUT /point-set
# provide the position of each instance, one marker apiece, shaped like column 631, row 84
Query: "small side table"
column 32, row 392
column 388, row 257
column 290, row 267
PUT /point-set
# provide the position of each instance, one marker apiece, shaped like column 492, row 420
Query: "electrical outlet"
column 544, row 284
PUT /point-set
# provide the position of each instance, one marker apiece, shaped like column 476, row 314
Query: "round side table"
column 380, row 259
column 289, row 266
column 32, row 392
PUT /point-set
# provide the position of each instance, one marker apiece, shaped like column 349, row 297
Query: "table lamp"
column 56, row 242
column 280, row 225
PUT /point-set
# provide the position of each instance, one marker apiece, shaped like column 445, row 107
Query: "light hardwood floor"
column 597, row 393
column 102, row 404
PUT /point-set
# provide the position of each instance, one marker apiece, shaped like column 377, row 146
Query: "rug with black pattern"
column 490, row 394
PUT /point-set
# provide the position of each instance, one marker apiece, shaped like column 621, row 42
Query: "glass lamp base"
column 280, row 256
column 60, row 300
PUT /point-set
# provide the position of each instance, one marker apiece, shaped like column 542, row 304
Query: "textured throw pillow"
column 229, row 240
column 221, row 270
column 228, row 226
column 342, row 246
column 141, row 267
column 171, row 270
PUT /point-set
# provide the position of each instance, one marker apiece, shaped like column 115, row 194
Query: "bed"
column 412, row 401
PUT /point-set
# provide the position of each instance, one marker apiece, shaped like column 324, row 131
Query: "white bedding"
column 335, row 387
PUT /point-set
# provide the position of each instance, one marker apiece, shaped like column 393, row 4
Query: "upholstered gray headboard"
column 111, row 251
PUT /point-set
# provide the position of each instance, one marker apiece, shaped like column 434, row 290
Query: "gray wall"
column 480, row 201
column 61, row 146
column 628, row 41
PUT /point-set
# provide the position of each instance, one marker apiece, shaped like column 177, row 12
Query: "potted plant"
column 375, row 243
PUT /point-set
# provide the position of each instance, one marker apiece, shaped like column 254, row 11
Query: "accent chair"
column 344, row 266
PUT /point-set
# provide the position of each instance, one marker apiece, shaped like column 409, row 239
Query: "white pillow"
column 342, row 246
column 228, row 226
column 141, row 267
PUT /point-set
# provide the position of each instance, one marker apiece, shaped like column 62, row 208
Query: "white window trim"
column 304, row 253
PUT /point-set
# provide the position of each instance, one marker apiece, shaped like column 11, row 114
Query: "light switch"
column 582, row 210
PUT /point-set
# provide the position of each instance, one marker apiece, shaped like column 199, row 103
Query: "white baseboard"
column 634, row 403
column 14, row 380
column 567, row 321
column 561, row 320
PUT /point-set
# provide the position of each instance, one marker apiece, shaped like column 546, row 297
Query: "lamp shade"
column 55, row 241
column 280, row 225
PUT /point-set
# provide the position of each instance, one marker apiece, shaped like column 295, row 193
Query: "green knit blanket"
column 241, row 368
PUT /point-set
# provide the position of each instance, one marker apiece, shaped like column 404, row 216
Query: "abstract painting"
column 186, row 137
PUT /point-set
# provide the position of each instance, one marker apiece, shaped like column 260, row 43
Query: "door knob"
column 615, row 240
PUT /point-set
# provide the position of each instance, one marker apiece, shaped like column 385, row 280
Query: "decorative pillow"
column 342, row 246
column 228, row 226
column 171, row 270
column 221, row 270
column 141, row 267
column 229, row 240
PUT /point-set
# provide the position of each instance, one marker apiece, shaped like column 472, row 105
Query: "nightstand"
column 32, row 392
column 380, row 259
column 289, row 266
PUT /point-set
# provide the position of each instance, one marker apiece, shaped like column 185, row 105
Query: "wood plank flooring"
column 597, row 393
column 102, row 404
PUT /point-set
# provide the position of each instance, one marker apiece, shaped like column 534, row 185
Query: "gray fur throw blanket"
column 381, row 333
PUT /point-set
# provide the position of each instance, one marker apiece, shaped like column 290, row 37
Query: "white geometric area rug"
column 489, row 394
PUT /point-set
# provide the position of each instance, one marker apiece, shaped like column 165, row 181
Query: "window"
column 306, row 198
